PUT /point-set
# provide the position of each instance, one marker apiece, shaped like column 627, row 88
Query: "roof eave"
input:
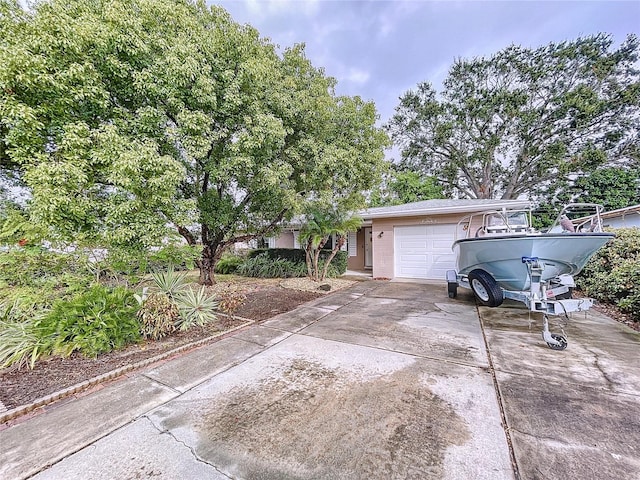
column 621, row 212
column 446, row 210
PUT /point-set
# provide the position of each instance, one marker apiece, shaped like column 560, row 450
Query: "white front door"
column 424, row 251
column 368, row 250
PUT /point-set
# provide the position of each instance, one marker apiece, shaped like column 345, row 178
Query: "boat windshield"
column 505, row 222
column 508, row 219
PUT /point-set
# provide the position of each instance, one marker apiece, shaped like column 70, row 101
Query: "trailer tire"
column 485, row 288
column 452, row 289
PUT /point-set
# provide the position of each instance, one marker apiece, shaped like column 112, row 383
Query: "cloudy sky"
column 381, row 49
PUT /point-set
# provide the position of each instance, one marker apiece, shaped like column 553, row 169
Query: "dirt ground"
column 263, row 299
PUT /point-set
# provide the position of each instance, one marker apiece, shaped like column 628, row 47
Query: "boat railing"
column 495, row 222
column 579, row 217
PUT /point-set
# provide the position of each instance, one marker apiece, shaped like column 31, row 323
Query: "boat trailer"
column 546, row 297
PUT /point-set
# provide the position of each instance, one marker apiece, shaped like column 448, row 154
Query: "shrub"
column 230, row 299
column 295, row 256
column 170, row 282
column 228, row 264
column 36, row 266
column 612, row 275
column 338, row 265
column 20, row 340
column 262, row 266
column 158, row 316
column 96, row 321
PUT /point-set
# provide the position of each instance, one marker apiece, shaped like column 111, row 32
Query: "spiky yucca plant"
column 170, row 282
column 195, row 307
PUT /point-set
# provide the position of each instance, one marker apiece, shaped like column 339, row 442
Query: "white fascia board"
column 621, row 211
column 446, row 210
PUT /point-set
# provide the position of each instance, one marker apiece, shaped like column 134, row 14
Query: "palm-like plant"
column 322, row 222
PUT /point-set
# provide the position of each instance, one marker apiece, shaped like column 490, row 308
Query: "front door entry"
column 368, row 248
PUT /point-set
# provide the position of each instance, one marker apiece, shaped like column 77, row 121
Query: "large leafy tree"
column 138, row 115
column 69, row 115
column 523, row 120
column 405, row 186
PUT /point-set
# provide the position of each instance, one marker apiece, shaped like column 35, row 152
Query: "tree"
column 520, row 121
column 612, row 187
column 10, row 15
column 322, row 222
column 406, row 186
column 68, row 118
column 138, row 115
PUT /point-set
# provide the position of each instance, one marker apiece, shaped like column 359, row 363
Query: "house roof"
column 439, row 207
column 621, row 212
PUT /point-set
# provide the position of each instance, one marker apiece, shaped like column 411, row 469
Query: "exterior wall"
column 357, row 262
column 284, row 240
column 624, row 221
column 383, row 239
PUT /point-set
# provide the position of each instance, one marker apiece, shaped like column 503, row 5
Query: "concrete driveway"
column 574, row 413
column 384, row 380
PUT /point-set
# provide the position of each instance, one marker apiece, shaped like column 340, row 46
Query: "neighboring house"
column 622, row 218
column 407, row 241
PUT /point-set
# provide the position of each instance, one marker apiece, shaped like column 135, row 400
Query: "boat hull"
column 501, row 256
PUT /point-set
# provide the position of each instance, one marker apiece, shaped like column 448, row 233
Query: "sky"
column 381, row 49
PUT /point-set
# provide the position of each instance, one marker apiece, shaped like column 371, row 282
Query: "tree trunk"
column 316, row 264
column 207, row 266
column 308, row 252
column 211, row 255
column 339, row 243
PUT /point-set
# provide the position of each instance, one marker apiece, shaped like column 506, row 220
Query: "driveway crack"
column 610, row 382
column 164, row 431
column 503, row 416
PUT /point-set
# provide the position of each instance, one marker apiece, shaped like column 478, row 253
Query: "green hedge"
column 292, row 254
column 263, row 266
column 297, row 255
column 612, row 275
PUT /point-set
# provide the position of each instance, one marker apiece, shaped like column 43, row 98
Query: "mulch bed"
column 21, row 387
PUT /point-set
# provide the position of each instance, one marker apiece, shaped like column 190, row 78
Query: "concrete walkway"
column 383, row 380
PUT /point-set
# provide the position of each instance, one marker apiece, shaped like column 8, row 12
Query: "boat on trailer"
column 504, row 256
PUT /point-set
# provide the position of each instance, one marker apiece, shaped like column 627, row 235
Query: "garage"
column 424, row 251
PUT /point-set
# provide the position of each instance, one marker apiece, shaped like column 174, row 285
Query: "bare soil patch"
column 264, row 298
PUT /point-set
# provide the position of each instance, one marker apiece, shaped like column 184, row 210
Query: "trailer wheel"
column 452, row 289
column 485, row 288
column 562, row 341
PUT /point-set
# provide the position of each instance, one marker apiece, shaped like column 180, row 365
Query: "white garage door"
column 424, row 251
